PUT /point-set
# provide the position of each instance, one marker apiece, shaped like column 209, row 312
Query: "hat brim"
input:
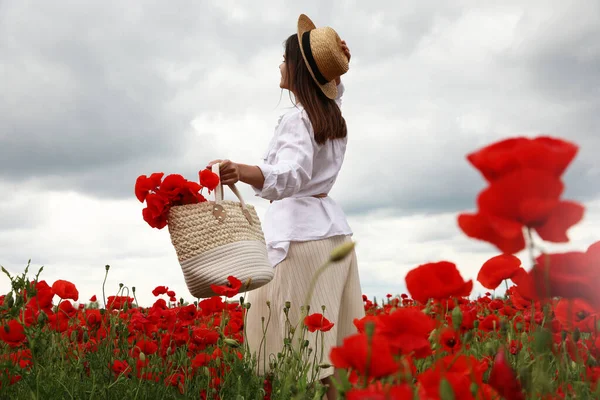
column 305, row 24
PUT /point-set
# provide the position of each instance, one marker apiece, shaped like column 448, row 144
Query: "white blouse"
column 295, row 168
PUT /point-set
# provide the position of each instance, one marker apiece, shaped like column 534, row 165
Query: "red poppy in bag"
column 155, row 213
column 144, row 184
column 174, row 190
column 438, row 280
column 208, row 179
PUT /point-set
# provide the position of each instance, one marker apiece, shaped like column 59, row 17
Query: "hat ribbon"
column 311, row 60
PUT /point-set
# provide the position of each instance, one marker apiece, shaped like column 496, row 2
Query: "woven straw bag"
column 216, row 239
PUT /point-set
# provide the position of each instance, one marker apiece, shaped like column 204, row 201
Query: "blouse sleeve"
column 293, row 164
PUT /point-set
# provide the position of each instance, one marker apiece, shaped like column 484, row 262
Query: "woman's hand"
column 229, row 171
column 346, row 50
column 232, row 173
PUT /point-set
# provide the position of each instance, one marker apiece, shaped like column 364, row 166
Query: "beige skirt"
column 337, row 288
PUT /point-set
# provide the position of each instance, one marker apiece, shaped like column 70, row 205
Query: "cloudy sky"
column 96, row 93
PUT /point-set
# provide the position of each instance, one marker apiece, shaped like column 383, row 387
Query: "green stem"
column 103, row 286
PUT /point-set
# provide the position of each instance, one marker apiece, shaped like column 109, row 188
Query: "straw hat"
column 322, row 52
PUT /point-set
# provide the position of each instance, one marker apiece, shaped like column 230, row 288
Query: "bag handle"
column 219, row 195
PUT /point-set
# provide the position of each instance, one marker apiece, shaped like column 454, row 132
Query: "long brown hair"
column 323, row 112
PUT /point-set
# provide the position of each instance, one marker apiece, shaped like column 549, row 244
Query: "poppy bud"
column 231, row 342
column 370, row 329
column 107, row 267
column 576, row 335
column 457, row 318
column 446, row 391
column 142, row 356
column 563, row 335
column 325, row 366
column 341, row 252
column 288, row 305
column 19, row 300
column 474, row 388
column 10, row 301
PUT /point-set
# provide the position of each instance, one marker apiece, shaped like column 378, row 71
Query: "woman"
column 303, row 224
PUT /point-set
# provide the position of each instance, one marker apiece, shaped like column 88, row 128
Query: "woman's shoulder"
column 295, row 119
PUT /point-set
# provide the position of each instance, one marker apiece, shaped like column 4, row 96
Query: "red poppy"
column 317, row 322
column 449, row 340
column 430, row 385
column 118, row 302
column 524, row 197
column 569, row 275
column 490, row 323
column 155, row 213
column 144, row 184
column 200, row 360
column 121, row 368
column 160, row 290
column 576, row 313
column 497, row 269
column 12, row 333
column 356, row 352
column 439, row 281
column 65, row 290
column 407, row 331
column 229, row 290
column 515, row 347
column 144, row 346
column 174, row 190
column 208, row 179
column 460, row 372
column 545, row 153
column 503, row 379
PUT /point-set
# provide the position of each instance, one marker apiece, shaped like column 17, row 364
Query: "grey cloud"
column 97, row 95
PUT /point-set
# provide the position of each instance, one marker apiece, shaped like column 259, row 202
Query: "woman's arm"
column 291, row 170
column 252, row 175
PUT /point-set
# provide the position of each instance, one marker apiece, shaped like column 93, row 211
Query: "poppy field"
column 538, row 340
